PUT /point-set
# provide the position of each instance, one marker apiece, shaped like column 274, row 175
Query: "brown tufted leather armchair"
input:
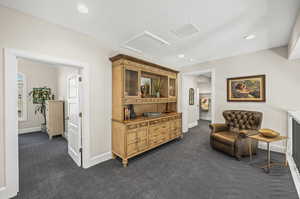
column 232, row 137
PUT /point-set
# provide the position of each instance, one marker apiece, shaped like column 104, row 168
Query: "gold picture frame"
column 246, row 89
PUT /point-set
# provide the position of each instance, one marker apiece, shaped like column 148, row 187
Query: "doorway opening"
column 48, row 122
column 46, row 116
column 198, row 97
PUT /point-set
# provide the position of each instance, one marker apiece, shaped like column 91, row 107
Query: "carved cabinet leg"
column 125, row 162
column 113, row 156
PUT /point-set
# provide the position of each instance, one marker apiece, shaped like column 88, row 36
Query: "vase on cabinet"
column 158, row 94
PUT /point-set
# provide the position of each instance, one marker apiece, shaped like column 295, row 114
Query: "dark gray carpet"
column 184, row 169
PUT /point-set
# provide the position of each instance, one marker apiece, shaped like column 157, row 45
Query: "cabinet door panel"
column 142, row 145
column 154, row 142
column 131, row 83
column 132, row 148
column 178, row 124
column 142, row 133
column 132, row 137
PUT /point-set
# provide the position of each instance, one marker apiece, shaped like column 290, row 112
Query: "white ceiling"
column 221, row 24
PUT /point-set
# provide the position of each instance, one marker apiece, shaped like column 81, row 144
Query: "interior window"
column 21, row 83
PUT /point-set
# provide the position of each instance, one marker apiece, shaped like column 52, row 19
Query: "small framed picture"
column 246, row 89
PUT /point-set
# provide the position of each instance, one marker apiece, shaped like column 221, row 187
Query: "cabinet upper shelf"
column 143, row 82
column 140, row 61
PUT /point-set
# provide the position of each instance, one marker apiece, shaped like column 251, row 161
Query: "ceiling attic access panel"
column 146, row 42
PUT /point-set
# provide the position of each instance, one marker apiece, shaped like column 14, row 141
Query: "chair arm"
column 246, row 133
column 218, row 127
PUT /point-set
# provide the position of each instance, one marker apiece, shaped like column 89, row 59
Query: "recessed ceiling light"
column 181, row 55
column 191, row 60
column 82, row 8
column 249, row 37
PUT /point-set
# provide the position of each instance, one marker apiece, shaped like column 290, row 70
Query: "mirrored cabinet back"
column 144, row 106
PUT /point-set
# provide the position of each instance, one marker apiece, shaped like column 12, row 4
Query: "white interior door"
column 74, row 120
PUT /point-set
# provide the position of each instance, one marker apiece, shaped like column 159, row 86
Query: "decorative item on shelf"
column 39, row 97
column 143, row 91
column 152, row 114
column 191, row 96
column 131, row 110
column 269, row 133
column 145, row 86
column 246, row 89
column 126, row 113
column 157, row 84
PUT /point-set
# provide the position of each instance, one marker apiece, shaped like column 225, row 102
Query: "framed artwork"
column 191, row 96
column 247, row 89
column 204, row 104
column 146, row 83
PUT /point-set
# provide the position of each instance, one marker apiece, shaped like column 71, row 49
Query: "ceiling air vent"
column 145, row 42
column 186, row 31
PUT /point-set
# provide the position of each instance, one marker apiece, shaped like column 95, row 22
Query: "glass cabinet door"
column 172, row 87
column 131, row 83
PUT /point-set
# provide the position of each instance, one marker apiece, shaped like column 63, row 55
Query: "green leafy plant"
column 39, row 97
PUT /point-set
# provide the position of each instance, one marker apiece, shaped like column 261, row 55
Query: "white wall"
column 293, row 47
column 23, row 32
column 282, row 85
column 37, row 75
column 204, row 84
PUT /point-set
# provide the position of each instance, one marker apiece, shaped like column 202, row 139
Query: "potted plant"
column 39, row 97
column 157, row 84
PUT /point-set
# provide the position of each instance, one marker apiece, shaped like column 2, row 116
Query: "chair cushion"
column 225, row 137
column 243, row 119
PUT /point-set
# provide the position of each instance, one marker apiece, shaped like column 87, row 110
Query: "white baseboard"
column 193, row 124
column 275, row 148
column 98, row 159
column 29, row 130
column 74, row 156
column 205, row 118
column 295, row 173
column 4, row 193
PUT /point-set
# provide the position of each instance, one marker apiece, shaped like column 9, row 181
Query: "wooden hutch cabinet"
column 148, row 88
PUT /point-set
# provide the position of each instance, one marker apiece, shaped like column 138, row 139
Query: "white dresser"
column 55, row 117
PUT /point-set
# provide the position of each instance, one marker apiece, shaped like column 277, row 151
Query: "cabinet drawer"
column 143, row 124
column 132, row 126
column 165, row 119
column 155, row 122
column 165, row 126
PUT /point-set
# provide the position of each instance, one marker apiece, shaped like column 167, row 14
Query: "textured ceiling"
column 221, row 24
